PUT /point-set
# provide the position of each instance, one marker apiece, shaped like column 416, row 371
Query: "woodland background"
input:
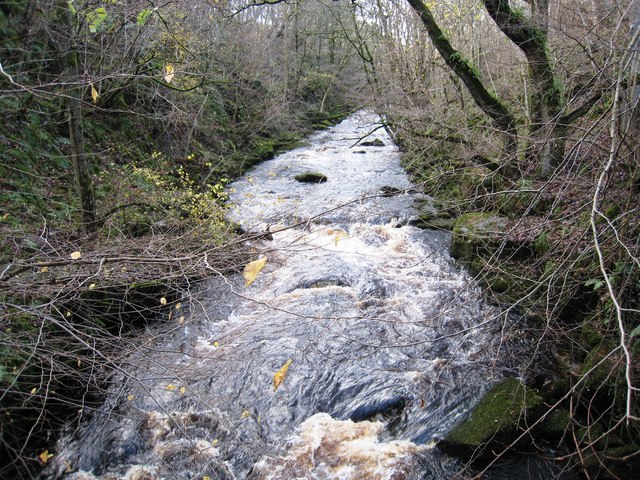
column 122, row 122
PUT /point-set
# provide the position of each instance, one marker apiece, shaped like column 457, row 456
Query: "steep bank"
column 540, row 247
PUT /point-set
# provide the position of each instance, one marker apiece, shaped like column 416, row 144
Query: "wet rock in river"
column 373, row 143
column 311, row 177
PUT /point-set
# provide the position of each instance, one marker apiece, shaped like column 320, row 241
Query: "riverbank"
column 539, row 248
column 73, row 305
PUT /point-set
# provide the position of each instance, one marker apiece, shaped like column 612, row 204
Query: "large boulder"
column 495, row 421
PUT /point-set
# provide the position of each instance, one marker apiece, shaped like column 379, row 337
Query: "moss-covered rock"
column 494, row 421
column 555, row 425
column 476, row 233
column 485, row 235
column 311, row 177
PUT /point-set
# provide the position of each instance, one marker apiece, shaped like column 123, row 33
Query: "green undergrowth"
column 160, row 190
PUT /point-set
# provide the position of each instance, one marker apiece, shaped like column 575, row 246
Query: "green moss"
column 556, row 423
column 502, row 408
column 311, row 177
column 471, row 232
column 542, row 244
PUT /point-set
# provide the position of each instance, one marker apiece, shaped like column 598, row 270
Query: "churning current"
column 357, row 346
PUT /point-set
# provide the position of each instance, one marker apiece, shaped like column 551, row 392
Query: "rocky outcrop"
column 495, row 422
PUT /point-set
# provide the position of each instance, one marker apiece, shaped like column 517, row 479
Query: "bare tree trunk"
column 489, row 104
column 83, row 182
column 530, row 35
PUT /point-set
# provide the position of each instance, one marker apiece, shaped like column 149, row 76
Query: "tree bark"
column 83, row 183
column 530, row 35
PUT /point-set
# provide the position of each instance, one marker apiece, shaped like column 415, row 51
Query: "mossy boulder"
column 311, row 177
column 494, row 421
column 475, row 234
column 555, row 425
column 485, row 235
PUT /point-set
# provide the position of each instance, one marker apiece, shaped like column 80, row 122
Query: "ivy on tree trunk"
column 529, row 34
column 463, row 68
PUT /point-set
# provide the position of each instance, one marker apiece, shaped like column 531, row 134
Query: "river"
column 380, row 341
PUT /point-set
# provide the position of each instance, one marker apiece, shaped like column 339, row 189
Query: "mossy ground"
column 499, row 412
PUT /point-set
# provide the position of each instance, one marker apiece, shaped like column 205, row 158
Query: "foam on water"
column 389, row 342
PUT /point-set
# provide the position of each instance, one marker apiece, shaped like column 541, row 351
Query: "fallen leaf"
column 163, row 301
column 215, row 442
column 245, row 414
column 171, row 387
column 181, row 320
column 280, row 374
column 252, row 270
column 75, row 255
column 216, row 344
column 178, row 305
column 45, row 456
column 92, row 286
column 338, row 234
column 130, row 397
column 44, row 269
column 168, row 73
column 183, row 390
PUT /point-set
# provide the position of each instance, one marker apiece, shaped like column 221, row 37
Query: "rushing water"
column 389, row 342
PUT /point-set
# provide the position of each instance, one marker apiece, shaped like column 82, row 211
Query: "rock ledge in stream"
column 494, row 422
column 373, row 143
column 311, row 177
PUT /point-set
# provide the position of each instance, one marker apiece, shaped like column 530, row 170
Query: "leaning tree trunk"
column 83, row 182
column 488, row 103
column 530, row 34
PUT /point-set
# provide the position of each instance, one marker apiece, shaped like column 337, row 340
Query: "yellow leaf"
column 34, row 390
column 75, row 255
column 163, row 301
column 245, row 414
column 215, row 442
column 181, row 320
column 183, row 390
column 280, row 374
column 216, row 344
column 92, row 286
column 94, row 94
column 44, row 269
column 45, row 456
column 171, row 387
column 252, row 270
column 168, row 73
column 339, row 234
column 130, row 397
column 206, row 477
column 178, row 305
